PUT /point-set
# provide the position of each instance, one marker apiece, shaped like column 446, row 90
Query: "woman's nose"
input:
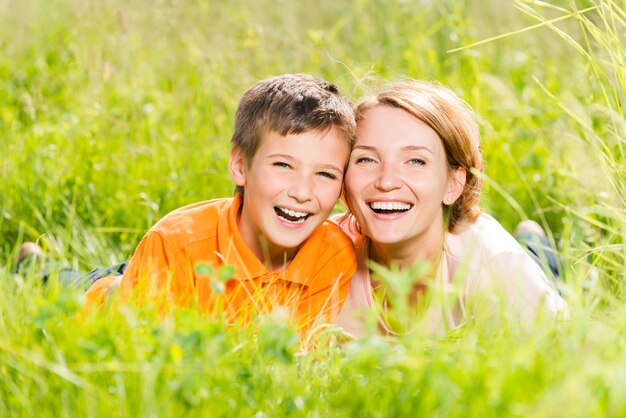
column 388, row 178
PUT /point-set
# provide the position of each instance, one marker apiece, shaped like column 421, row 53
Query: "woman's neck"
column 404, row 254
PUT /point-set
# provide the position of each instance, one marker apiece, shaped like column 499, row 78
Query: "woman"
column 412, row 187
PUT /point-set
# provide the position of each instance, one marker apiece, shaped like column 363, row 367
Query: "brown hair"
column 453, row 120
column 290, row 104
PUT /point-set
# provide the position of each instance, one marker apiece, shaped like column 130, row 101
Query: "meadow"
column 113, row 113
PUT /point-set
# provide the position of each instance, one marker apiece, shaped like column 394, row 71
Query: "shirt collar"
column 234, row 251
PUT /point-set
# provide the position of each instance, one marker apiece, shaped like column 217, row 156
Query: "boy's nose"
column 301, row 189
column 388, row 178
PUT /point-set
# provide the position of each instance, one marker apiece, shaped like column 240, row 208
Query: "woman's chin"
column 386, row 237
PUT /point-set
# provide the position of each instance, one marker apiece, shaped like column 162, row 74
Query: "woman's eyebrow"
column 406, row 148
column 417, row 148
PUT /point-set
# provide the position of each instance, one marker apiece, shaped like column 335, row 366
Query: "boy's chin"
column 291, row 239
column 290, row 236
column 288, row 245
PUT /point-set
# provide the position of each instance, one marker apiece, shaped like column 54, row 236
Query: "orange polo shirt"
column 312, row 287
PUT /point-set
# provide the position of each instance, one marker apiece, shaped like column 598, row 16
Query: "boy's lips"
column 291, row 216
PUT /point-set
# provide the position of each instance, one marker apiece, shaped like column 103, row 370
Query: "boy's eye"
column 281, row 164
column 327, row 175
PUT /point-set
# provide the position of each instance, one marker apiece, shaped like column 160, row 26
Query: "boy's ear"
column 456, row 183
column 237, row 167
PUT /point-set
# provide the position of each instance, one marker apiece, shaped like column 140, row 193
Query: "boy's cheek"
column 329, row 196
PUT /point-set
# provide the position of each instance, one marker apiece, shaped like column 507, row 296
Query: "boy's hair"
column 453, row 120
column 290, row 104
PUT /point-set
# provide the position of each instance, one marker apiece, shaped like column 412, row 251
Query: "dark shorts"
column 44, row 269
column 544, row 254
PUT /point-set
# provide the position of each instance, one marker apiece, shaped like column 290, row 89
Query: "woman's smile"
column 398, row 177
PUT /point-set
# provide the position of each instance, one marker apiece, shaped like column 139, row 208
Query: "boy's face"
column 290, row 187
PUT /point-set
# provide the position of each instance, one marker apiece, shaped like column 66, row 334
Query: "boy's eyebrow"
column 281, row 155
column 332, row 167
column 292, row 158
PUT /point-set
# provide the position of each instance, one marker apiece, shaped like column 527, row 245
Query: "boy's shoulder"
column 326, row 255
column 334, row 231
column 331, row 238
column 193, row 222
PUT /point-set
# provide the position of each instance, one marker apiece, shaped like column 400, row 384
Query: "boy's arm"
column 98, row 291
column 156, row 270
column 159, row 271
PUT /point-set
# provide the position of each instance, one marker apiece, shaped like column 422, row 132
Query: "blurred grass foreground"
column 113, row 113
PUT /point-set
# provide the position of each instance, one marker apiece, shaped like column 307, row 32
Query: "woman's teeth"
column 380, row 207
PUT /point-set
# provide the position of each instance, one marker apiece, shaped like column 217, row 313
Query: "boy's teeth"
column 294, row 213
column 292, row 216
column 390, row 206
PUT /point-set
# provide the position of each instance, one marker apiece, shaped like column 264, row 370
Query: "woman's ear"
column 456, row 183
column 237, row 167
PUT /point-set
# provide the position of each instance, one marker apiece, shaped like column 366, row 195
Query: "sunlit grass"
column 114, row 113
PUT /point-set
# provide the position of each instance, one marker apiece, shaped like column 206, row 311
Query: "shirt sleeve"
column 158, row 271
column 94, row 297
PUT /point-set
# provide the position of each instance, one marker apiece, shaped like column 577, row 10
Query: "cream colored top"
column 483, row 258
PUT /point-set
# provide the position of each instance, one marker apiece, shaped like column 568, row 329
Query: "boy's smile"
column 291, row 216
column 290, row 187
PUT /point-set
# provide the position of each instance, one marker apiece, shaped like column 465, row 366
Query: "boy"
column 292, row 139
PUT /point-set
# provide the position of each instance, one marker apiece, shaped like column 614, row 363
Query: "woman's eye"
column 417, row 161
column 327, row 175
column 364, row 160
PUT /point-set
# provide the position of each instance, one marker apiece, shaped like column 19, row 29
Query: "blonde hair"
column 453, row 120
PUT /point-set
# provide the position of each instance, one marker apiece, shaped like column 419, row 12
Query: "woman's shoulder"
column 494, row 261
column 485, row 238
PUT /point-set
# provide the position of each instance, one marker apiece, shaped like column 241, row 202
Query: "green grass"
column 114, row 113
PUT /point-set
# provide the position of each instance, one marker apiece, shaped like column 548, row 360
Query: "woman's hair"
column 453, row 120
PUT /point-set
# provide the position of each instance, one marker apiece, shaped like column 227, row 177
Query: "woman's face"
column 397, row 178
